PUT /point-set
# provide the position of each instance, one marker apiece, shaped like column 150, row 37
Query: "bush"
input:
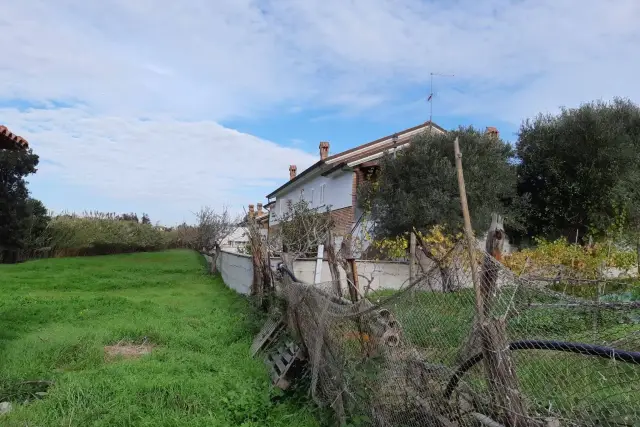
column 102, row 234
column 548, row 257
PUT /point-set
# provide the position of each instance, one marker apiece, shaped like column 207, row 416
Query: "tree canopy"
column 15, row 207
column 580, row 169
column 417, row 187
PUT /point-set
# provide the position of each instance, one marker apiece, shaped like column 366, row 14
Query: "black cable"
column 285, row 269
column 580, row 348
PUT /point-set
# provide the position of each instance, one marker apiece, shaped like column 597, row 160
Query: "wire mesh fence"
column 535, row 353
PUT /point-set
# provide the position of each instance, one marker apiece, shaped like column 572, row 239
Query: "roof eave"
column 11, row 141
column 298, row 178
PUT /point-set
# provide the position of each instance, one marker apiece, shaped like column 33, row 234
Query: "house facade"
column 333, row 181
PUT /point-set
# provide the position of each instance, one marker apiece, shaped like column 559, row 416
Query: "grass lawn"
column 57, row 315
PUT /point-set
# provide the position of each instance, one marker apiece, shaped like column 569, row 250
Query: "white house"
column 237, row 239
column 333, row 181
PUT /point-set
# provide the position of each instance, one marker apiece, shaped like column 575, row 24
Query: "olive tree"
column 580, row 170
column 416, row 188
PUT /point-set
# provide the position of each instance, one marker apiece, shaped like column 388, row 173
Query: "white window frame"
column 322, row 188
column 311, row 198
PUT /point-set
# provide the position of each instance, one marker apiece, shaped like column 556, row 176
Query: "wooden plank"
column 318, row 272
column 274, row 376
column 269, row 331
column 287, row 355
column 281, row 366
column 279, row 362
column 268, row 362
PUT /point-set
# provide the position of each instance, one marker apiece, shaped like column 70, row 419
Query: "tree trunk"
column 445, row 271
column 638, row 256
column 412, row 256
column 257, row 285
column 287, row 260
column 330, row 250
column 490, row 338
column 213, row 268
column 447, row 278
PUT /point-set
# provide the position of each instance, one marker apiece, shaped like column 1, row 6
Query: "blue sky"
column 163, row 107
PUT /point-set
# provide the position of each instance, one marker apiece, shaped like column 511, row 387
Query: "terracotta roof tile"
column 11, row 141
column 359, row 152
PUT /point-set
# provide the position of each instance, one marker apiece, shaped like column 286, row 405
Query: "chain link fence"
column 534, row 353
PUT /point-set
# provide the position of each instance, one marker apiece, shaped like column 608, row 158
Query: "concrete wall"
column 384, row 274
column 237, row 272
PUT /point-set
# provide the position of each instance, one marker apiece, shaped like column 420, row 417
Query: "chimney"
column 492, row 131
column 259, row 209
column 292, row 171
column 324, row 150
column 251, row 211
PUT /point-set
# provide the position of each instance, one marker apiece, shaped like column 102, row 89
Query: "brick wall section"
column 343, row 219
column 358, row 178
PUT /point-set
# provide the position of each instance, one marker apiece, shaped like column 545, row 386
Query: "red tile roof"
column 358, row 153
column 11, row 141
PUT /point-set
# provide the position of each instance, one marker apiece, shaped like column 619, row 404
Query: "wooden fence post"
column 506, row 400
column 412, row 256
column 317, row 277
column 333, row 263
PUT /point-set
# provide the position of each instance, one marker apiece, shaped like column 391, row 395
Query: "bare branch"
column 213, row 227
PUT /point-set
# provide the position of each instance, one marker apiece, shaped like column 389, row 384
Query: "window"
column 311, row 198
column 301, row 194
column 322, row 193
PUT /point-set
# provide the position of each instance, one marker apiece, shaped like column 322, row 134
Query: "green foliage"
column 417, row 188
column 14, row 198
column 58, row 314
column 96, row 234
column 580, row 169
column 581, row 261
column 36, row 223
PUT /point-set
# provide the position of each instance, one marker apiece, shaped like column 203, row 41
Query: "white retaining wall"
column 237, row 272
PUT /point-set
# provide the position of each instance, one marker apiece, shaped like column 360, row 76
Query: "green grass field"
column 57, row 315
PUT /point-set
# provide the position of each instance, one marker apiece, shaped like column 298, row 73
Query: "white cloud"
column 160, row 159
column 186, row 66
column 239, row 57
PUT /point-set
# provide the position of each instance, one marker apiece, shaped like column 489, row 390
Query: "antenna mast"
column 430, row 99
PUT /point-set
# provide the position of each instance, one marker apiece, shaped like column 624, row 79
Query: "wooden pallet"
column 279, row 362
column 267, row 335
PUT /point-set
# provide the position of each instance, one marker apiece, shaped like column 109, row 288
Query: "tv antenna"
column 430, row 99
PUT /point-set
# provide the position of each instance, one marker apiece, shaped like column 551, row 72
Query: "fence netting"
column 548, row 353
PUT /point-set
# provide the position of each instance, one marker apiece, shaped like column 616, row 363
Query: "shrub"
column 101, row 234
column 548, row 257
